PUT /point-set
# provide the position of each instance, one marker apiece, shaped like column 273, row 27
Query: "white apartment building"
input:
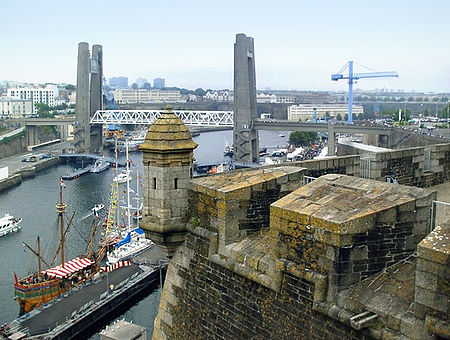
column 305, row 112
column 220, row 96
column 45, row 95
column 130, row 96
column 15, row 108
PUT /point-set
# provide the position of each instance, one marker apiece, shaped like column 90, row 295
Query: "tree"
column 435, row 99
column 444, row 99
column 426, row 99
column 410, row 99
column 134, row 86
column 69, row 87
column 339, row 117
column 426, row 112
column 419, row 99
column 43, row 110
column 147, row 86
column 299, row 138
column 199, row 92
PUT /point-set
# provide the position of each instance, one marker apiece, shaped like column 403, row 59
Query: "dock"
column 82, row 308
column 93, row 157
column 77, row 173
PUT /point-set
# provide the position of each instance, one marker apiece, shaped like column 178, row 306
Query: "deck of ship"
column 45, row 319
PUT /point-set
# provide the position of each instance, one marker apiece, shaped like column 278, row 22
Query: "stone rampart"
column 323, row 267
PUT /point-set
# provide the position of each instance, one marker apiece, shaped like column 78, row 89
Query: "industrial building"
column 130, row 96
column 305, row 112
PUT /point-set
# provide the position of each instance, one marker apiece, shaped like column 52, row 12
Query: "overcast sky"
column 298, row 44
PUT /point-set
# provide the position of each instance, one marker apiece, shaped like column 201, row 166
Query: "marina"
column 78, row 309
column 83, row 193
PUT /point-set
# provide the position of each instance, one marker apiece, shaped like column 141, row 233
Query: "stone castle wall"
column 288, row 279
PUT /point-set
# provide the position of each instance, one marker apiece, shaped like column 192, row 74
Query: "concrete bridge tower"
column 89, row 97
column 245, row 138
column 168, row 167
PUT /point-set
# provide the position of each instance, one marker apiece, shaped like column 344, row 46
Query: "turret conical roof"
column 168, row 134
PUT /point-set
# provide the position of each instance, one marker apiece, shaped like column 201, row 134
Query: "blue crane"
column 351, row 79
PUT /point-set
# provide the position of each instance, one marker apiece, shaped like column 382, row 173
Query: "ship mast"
column 60, row 209
column 128, row 188
column 39, row 256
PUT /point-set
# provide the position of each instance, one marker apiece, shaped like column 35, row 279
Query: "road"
column 14, row 163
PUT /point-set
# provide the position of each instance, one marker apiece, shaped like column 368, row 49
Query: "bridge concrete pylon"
column 89, row 98
column 245, row 137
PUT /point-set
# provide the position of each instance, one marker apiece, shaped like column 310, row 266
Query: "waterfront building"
column 305, row 112
column 220, row 96
column 140, row 82
column 130, row 96
column 118, row 82
column 44, row 95
column 266, row 98
column 159, row 83
column 15, row 108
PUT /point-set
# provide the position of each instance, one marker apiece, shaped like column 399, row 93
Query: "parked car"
column 47, row 155
column 30, row 159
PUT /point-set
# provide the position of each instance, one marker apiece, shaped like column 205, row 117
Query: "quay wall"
column 18, row 176
column 13, row 146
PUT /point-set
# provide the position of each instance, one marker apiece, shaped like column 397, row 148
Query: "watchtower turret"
column 168, row 160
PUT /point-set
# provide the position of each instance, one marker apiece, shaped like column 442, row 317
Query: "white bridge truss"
column 145, row 117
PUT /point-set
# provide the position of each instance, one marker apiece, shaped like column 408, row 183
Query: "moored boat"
column 100, row 165
column 228, row 150
column 43, row 286
column 9, row 224
column 123, row 177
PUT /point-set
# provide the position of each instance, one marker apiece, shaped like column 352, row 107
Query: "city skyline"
column 297, row 45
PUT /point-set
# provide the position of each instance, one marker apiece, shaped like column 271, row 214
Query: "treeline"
column 46, row 111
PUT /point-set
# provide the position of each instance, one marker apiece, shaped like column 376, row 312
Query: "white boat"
column 9, row 224
column 100, row 165
column 123, row 177
column 282, row 134
column 134, row 241
column 97, row 208
column 228, row 150
column 133, row 244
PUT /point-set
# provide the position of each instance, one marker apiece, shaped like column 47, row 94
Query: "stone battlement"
column 340, row 251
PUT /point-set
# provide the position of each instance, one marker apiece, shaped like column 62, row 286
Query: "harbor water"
column 34, row 201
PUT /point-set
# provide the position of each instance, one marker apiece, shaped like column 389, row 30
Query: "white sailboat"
column 133, row 239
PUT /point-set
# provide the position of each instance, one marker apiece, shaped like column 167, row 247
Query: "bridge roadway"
column 285, row 125
column 68, row 120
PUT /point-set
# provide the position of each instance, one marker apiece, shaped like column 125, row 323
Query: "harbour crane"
column 351, row 79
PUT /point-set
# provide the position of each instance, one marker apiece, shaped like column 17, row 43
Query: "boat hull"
column 31, row 296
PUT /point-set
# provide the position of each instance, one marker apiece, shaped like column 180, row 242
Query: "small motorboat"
column 97, row 208
column 100, row 165
column 9, row 224
column 123, row 177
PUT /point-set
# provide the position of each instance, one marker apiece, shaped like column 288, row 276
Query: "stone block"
column 388, row 216
column 426, row 280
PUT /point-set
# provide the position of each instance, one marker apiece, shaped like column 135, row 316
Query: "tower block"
column 168, row 153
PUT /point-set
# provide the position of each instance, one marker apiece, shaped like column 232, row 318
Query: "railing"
column 364, row 164
column 427, row 161
column 440, row 213
column 308, row 179
column 145, row 117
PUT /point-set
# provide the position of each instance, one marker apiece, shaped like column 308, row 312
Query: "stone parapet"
column 432, row 293
column 349, row 228
column 236, row 204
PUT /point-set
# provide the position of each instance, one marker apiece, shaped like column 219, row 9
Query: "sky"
column 298, row 44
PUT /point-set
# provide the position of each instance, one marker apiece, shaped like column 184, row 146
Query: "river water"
column 34, row 200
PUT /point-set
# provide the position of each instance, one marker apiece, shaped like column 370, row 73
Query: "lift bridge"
column 146, row 117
